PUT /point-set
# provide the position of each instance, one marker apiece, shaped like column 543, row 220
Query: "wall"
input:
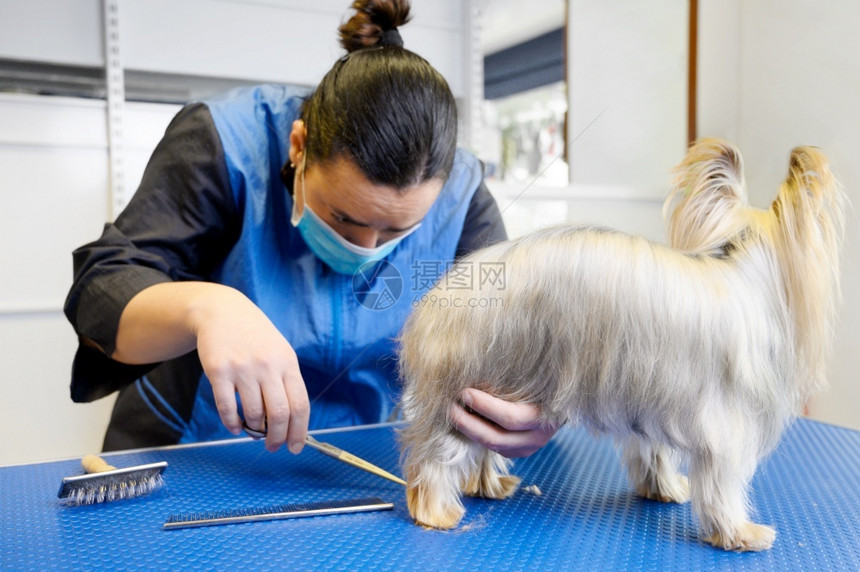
column 54, row 160
column 291, row 41
column 626, row 82
column 627, row 66
column 53, row 156
column 779, row 73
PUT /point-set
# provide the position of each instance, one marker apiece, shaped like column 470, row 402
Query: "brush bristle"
column 111, row 485
column 107, row 492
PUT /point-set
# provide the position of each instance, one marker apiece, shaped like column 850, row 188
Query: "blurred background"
column 579, row 109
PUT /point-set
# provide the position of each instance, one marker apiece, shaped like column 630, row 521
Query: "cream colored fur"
column 701, row 350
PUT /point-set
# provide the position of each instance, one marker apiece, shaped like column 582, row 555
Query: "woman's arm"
column 141, row 296
column 483, row 225
column 179, row 226
column 240, row 350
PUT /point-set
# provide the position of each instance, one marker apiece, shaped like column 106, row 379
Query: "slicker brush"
column 106, row 483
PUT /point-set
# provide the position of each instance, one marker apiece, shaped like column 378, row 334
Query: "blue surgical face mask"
column 341, row 255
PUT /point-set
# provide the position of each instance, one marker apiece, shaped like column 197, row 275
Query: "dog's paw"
column 492, row 486
column 676, row 489
column 750, row 537
column 430, row 511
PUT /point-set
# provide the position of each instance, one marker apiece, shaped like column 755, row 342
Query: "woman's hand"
column 511, row 429
column 240, row 349
column 242, row 352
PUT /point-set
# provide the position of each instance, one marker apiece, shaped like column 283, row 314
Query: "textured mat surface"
column 585, row 518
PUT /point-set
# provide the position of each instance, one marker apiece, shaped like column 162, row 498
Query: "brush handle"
column 95, row 464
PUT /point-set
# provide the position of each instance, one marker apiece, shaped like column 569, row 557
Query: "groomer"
column 234, row 287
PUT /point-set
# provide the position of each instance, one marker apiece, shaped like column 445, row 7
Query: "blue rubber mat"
column 585, row 518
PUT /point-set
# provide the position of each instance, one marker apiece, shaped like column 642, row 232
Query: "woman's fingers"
column 507, row 415
column 277, row 412
column 510, row 429
column 300, row 411
column 275, row 404
column 280, row 409
column 225, row 401
column 242, row 352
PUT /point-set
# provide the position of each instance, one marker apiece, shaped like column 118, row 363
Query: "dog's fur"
column 704, row 349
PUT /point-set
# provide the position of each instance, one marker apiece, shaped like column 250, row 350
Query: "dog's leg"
column 490, row 478
column 435, row 470
column 433, row 498
column 719, row 489
column 433, row 492
column 653, row 469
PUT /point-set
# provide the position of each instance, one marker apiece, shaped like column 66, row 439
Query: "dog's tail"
column 709, row 198
column 809, row 215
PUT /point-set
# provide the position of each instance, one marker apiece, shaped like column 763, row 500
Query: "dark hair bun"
column 372, row 19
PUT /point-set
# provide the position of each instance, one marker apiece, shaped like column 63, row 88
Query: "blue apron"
column 342, row 328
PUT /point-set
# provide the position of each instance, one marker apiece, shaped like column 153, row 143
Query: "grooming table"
column 585, row 518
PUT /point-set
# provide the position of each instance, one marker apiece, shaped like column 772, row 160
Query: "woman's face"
column 362, row 212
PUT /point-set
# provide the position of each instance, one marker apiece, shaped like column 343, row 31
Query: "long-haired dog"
column 703, row 350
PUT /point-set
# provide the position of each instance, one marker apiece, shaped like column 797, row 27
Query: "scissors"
column 335, row 452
